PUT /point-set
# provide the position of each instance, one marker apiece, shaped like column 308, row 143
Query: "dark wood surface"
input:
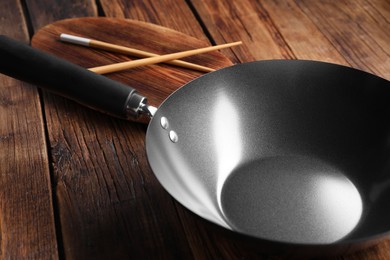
column 75, row 183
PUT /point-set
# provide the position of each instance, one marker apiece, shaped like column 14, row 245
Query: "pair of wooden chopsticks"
column 152, row 58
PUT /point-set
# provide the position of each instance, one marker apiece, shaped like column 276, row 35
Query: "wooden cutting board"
column 155, row 82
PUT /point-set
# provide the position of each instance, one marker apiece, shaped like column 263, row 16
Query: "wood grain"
column 108, row 203
column 156, row 82
column 247, row 21
column 363, row 40
column 177, row 15
column 300, row 33
column 48, row 11
column 27, row 227
column 99, row 163
column 172, row 14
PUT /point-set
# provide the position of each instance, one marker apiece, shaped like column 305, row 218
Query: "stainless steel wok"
column 288, row 151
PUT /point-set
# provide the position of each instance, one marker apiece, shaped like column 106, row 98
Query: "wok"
column 288, row 151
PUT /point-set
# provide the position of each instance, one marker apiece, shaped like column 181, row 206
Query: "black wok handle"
column 61, row 77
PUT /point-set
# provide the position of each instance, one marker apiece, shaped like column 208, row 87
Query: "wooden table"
column 73, row 185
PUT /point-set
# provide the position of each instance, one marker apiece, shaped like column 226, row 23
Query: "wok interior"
column 291, row 151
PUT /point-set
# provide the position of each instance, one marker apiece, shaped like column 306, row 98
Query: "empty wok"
column 288, row 151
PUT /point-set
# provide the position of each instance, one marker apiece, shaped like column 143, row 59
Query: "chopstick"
column 153, row 60
column 126, row 50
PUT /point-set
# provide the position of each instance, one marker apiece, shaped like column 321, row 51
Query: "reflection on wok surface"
column 289, row 151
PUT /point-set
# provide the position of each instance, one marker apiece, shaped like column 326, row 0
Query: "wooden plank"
column 343, row 33
column 13, row 26
column 48, row 11
column 110, row 204
column 171, row 14
column 176, row 15
column 379, row 10
column 26, row 211
column 74, row 235
column 156, row 82
column 363, row 40
column 247, row 21
column 300, row 33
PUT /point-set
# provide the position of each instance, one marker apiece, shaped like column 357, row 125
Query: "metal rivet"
column 164, row 122
column 173, row 136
